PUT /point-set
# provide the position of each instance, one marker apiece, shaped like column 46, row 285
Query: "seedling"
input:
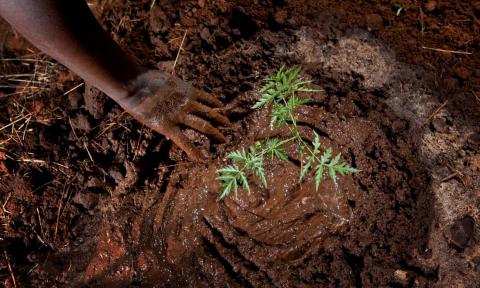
column 280, row 93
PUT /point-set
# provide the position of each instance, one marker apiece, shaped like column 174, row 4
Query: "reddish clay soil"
column 90, row 198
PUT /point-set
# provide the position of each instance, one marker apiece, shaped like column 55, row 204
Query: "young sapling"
column 281, row 94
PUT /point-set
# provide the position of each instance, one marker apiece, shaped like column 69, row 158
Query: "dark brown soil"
column 89, row 197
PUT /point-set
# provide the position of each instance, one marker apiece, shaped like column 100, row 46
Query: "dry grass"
column 26, row 76
column 21, row 80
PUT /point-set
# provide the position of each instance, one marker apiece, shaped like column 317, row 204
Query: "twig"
column 476, row 96
column 40, row 222
column 41, row 186
column 179, row 50
column 153, row 4
column 73, row 89
column 73, row 129
column 455, row 174
column 88, row 152
column 10, row 270
column 137, row 147
column 175, row 165
column 65, row 189
column 451, row 176
column 422, row 23
column 4, row 210
column 435, row 113
column 447, row 51
column 37, row 161
column 14, row 122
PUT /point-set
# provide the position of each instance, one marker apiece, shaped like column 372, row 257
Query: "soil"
column 90, row 198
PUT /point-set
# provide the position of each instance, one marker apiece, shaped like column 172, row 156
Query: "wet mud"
column 90, row 198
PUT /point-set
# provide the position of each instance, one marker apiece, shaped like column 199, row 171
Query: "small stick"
column 37, row 161
column 449, row 177
column 14, row 122
column 435, row 113
column 40, row 222
column 455, row 174
column 137, row 147
column 73, row 129
column 73, row 89
column 41, row 186
column 174, row 165
column 179, row 50
column 422, row 23
column 10, row 270
column 4, row 210
column 65, row 188
column 476, row 96
column 447, row 51
column 88, row 152
column 153, row 4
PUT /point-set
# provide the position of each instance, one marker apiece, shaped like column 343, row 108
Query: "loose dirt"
column 89, row 197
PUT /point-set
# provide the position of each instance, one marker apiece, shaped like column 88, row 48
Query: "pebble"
column 474, row 139
column 440, row 124
column 462, row 231
column 281, row 17
column 374, row 22
column 75, row 99
column 463, row 73
column 205, row 34
column 81, row 122
column 431, row 5
column 401, row 275
column 451, row 84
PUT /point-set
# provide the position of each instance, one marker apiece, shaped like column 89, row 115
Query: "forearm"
column 67, row 31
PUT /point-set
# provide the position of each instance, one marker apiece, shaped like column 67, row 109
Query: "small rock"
column 374, row 22
column 86, row 200
column 463, row 73
column 281, row 17
column 401, row 276
column 158, row 20
column 214, row 22
column 476, row 263
column 116, row 174
column 205, row 34
column 95, row 101
column 474, row 139
column 81, row 122
column 75, row 99
column 201, row 3
column 94, row 182
column 431, row 5
column 440, row 124
column 166, row 66
column 461, row 232
column 451, row 84
column 399, row 126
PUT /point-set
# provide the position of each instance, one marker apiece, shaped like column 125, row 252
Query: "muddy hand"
column 69, row 32
column 165, row 103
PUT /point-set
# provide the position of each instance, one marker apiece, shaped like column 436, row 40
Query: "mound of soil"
column 91, row 198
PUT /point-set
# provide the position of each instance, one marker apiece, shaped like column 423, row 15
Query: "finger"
column 208, row 99
column 203, row 126
column 176, row 135
column 209, row 113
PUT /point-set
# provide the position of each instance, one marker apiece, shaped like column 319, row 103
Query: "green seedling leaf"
column 280, row 92
column 319, row 175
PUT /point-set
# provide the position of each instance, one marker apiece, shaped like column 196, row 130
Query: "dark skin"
column 67, row 31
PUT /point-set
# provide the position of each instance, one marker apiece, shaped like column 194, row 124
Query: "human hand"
column 164, row 103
